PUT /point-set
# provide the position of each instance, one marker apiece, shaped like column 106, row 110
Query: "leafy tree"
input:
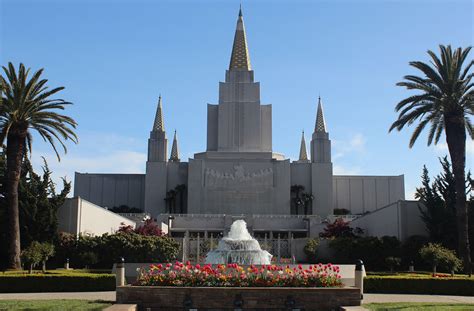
column 26, row 105
column 149, row 227
column 393, row 262
column 31, row 255
column 300, row 200
column 438, row 256
column 46, row 252
column 445, row 102
column 340, row 228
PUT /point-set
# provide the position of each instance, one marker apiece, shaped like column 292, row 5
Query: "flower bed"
column 233, row 275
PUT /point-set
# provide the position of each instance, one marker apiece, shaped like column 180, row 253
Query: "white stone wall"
column 233, row 186
column 360, row 194
column 109, row 190
column 78, row 216
column 400, row 219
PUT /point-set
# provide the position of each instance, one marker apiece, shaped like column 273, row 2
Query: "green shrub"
column 110, row 247
column 392, row 262
column 420, row 285
column 68, row 282
column 372, row 250
column 311, row 249
column 88, row 258
column 411, row 252
column 31, row 256
column 438, row 256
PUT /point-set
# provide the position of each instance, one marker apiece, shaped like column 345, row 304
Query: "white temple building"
column 239, row 175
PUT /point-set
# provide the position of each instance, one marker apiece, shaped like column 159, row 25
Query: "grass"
column 59, row 305
column 417, row 274
column 418, row 306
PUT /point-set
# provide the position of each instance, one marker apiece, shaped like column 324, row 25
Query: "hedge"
column 428, row 285
column 68, row 282
column 108, row 248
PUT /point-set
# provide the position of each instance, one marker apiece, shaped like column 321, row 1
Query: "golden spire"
column 240, row 58
column 303, row 153
column 174, row 149
column 320, row 122
column 159, row 124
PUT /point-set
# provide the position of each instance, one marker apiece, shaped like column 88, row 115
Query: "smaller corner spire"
column 320, row 125
column 174, row 157
column 159, row 124
column 303, row 154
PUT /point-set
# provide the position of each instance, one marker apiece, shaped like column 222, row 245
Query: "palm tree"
column 26, row 104
column 446, row 103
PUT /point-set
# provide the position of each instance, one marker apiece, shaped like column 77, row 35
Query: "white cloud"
column 96, row 153
column 442, row 148
column 355, row 144
column 341, row 170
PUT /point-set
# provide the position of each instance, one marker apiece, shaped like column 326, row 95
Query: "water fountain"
column 239, row 247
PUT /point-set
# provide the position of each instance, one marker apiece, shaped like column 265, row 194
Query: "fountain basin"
column 204, row 298
column 239, row 247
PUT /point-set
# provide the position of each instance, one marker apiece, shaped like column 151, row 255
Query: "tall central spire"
column 320, row 122
column 240, row 58
column 159, row 124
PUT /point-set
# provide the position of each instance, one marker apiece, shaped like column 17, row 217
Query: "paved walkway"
column 374, row 298
column 368, row 298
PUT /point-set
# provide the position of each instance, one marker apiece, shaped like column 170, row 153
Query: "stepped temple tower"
column 239, row 173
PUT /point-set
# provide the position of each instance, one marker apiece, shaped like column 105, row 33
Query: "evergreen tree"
column 438, row 210
column 38, row 206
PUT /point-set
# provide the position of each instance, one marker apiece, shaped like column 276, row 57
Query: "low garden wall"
column 346, row 271
column 230, row 298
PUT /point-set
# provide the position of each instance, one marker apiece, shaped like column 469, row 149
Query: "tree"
column 437, row 255
column 38, row 205
column 438, row 210
column 46, row 252
column 340, row 228
column 300, row 200
column 445, row 102
column 31, row 255
column 26, row 105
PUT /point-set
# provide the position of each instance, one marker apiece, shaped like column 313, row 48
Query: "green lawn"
column 59, row 305
column 418, row 306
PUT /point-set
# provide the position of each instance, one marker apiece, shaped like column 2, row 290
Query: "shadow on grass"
column 56, row 304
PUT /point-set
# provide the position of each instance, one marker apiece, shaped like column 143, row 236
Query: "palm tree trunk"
column 15, row 152
column 456, row 140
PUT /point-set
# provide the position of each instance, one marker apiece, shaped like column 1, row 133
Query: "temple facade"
column 239, row 174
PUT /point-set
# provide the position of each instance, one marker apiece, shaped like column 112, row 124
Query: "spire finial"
column 240, row 58
column 320, row 122
column 303, row 154
column 159, row 124
column 174, row 157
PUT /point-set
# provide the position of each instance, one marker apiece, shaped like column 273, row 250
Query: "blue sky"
column 115, row 57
